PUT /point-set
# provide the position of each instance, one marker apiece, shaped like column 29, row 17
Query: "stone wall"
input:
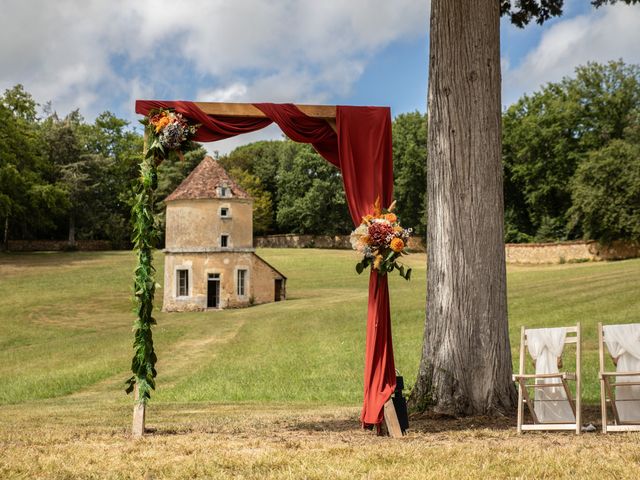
column 523, row 253
column 340, row 242
column 57, row 245
column 569, row 252
column 302, row 241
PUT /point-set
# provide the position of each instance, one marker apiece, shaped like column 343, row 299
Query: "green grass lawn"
column 65, row 325
column 65, row 349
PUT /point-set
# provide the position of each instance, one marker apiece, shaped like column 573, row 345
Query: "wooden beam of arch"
column 325, row 112
column 248, row 110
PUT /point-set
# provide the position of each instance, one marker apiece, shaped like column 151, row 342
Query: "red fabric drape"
column 212, row 128
column 365, row 150
column 361, row 148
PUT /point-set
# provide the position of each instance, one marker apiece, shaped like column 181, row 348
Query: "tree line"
column 571, row 158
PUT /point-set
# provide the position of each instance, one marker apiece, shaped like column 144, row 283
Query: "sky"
column 99, row 55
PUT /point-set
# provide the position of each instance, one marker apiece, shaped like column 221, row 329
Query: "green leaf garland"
column 145, row 236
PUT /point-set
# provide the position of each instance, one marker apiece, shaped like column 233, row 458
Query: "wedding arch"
column 355, row 139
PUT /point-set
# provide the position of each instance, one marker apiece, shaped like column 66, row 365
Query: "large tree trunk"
column 466, row 357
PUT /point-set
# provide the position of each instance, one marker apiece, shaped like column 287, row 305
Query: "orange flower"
column 397, row 228
column 391, row 217
column 367, row 219
column 376, row 207
column 397, row 245
column 162, row 122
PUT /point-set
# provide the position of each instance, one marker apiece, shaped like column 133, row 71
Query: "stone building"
column 210, row 262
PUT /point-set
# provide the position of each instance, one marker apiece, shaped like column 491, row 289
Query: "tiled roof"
column 203, row 182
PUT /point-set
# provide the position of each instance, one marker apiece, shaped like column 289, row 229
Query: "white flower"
column 381, row 220
column 356, row 237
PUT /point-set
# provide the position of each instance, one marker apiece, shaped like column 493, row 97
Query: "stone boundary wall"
column 569, row 252
column 302, row 241
column 519, row 253
column 522, row 253
column 57, row 245
column 340, row 242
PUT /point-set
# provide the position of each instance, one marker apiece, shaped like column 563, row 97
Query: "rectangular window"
column 182, row 283
column 242, row 283
column 224, row 212
column 224, row 241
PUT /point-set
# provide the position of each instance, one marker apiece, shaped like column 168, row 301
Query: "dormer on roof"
column 224, row 191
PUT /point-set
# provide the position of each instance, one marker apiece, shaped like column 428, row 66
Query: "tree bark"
column 466, row 357
column 72, row 231
column 5, row 236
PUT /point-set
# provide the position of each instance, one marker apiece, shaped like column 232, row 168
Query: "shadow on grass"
column 328, row 425
column 429, row 422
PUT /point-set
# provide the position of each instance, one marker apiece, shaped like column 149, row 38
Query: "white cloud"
column 93, row 53
column 235, row 92
column 611, row 33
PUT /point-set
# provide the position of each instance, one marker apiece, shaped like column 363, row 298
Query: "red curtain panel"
column 361, row 148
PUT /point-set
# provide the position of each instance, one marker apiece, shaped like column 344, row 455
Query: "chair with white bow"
column 553, row 407
column 620, row 390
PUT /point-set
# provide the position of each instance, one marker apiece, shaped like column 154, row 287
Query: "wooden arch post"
column 248, row 110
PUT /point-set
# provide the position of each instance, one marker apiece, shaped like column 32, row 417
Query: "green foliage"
column 522, row 12
column 72, row 175
column 29, row 202
column 20, row 103
column 547, row 135
column 409, row 169
column 388, row 265
column 311, row 195
column 606, row 193
column 145, row 236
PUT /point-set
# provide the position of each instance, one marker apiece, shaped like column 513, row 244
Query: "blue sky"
column 101, row 55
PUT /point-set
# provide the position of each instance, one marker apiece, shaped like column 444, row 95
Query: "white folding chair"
column 620, row 390
column 553, row 407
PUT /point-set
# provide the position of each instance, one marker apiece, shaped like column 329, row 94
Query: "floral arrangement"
column 168, row 132
column 381, row 240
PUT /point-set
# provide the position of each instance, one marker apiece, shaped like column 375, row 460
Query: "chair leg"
column 520, row 407
column 603, row 405
column 578, row 379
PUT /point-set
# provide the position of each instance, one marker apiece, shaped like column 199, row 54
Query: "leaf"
column 130, row 383
column 408, row 274
column 359, row 267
